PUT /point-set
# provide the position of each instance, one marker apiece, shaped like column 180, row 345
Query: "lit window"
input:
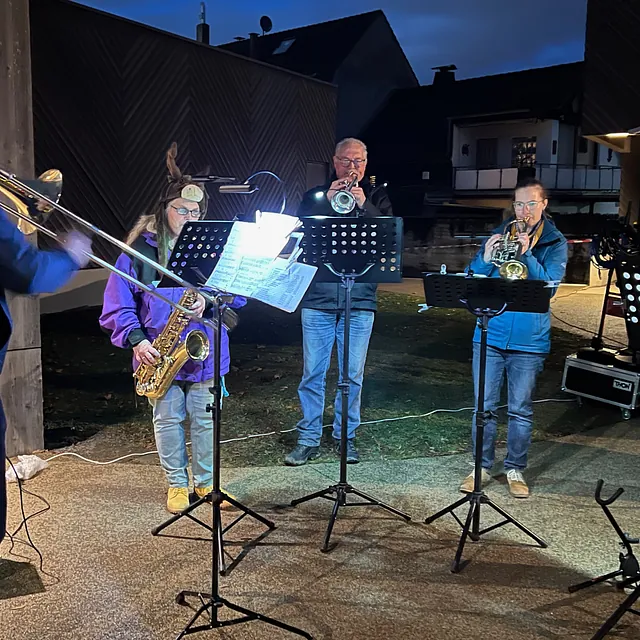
column 283, row 47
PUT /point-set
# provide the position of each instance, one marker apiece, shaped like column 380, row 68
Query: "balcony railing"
column 554, row 177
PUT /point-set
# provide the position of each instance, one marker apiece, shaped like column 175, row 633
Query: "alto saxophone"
column 153, row 380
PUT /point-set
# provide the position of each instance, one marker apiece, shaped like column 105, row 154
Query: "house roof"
column 317, row 50
column 546, row 92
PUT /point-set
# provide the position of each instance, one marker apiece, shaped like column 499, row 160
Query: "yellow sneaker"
column 177, row 499
column 468, row 483
column 201, row 492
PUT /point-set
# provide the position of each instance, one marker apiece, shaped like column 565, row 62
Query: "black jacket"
column 329, row 296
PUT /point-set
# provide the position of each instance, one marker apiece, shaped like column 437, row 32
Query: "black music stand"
column 485, row 298
column 629, row 571
column 346, row 249
column 194, row 257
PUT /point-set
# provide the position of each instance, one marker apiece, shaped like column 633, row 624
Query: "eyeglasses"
column 346, row 162
column 183, row 211
column 518, row 206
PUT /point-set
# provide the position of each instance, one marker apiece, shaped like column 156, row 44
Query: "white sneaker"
column 517, row 485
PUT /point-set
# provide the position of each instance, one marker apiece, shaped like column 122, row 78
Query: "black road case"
column 602, row 382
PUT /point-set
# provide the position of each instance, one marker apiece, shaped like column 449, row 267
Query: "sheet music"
column 249, row 265
column 285, row 284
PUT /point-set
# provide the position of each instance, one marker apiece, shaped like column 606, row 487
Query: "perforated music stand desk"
column 345, row 249
column 197, row 251
column 194, row 256
column 485, row 298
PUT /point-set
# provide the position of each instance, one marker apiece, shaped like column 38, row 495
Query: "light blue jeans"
column 169, row 415
column 522, row 369
column 320, row 331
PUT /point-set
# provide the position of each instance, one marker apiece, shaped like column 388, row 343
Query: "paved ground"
column 386, row 579
column 108, row 577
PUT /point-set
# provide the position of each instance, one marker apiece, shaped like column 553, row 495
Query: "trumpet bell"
column 343, row 202
column 49, row 184
column 513, row 270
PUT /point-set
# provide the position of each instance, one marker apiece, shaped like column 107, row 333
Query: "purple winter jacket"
column 129, row 315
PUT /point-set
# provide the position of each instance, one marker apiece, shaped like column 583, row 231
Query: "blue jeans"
column 521, row 368
column 169, row 414
column 320, row 331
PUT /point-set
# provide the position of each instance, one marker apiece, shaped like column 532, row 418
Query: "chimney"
column 444, row 75
column 202, row 29
column 253, row 45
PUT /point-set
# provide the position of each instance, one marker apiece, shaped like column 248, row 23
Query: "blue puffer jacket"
column 531, row 332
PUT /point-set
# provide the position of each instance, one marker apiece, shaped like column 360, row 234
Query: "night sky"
column 479, row 36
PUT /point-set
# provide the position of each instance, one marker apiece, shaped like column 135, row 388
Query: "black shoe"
column 301, row 454
column 353, row 457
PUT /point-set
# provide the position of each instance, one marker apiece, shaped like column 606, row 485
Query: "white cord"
column 273, row 433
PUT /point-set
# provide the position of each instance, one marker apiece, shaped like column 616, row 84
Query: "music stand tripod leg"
column 471, row 527
column 343, row 488
column 213, row 601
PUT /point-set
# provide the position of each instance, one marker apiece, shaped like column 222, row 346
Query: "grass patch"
column 416, row 363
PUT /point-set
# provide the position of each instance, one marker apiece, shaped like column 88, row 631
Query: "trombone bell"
column 49, row 184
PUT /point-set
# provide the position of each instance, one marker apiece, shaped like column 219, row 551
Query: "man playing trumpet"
column 322, row 311
column 517, row 343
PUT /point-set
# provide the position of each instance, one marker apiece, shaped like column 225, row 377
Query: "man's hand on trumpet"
column 358, row 194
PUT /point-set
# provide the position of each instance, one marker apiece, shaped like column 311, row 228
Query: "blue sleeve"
column 26, row 269
column 553, row 267
column 238, row 302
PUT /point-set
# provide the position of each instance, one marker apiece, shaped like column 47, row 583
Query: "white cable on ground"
column 273, row 433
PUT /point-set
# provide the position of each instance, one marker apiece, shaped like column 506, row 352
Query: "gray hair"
column 346, row 142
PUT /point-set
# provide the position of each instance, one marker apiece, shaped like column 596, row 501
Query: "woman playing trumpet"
column 517, row 343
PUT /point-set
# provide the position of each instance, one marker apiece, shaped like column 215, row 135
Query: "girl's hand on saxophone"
column 199, row 306
column 489, row 246
column 145, row 353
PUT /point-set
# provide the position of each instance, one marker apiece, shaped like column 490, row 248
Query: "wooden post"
column 21, row 380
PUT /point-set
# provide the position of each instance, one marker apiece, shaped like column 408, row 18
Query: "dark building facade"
column 360, row 54
column 110, row 95
column 414, row 139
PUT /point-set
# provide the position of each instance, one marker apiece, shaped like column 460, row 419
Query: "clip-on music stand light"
column 194, row 257
column 346, row 249
column 485, row 298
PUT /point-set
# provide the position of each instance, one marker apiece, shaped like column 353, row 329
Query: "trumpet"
column 506, row 253
column 343, row 201
column 28, row 200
